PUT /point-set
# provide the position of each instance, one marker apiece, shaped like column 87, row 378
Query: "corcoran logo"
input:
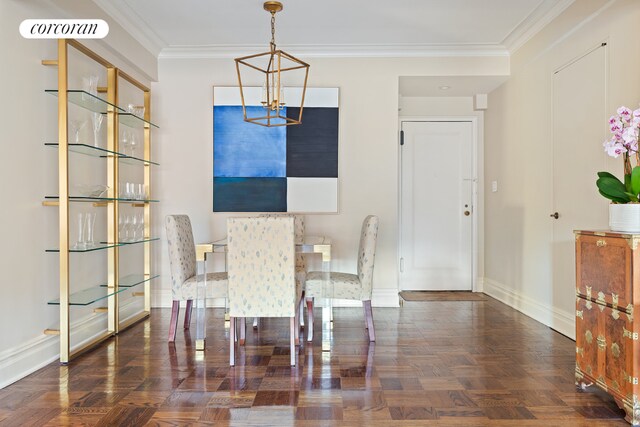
column 64, row 29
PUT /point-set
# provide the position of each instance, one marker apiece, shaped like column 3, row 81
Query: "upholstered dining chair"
column 301, row 263
column 261, row 268
column 349, row 286
column 184, row 281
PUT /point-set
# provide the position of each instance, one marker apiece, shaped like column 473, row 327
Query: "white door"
column 436, row 206
column 579, row 128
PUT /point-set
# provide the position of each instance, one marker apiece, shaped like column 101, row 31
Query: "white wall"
column 28, row 118
column 519, row 151
column 368, row 152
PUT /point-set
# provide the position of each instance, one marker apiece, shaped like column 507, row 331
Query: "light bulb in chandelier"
column 272, row 97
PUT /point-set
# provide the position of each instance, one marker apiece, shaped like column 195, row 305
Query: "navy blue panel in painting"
column 312, row 147
column 249, row 194
column 242, row 149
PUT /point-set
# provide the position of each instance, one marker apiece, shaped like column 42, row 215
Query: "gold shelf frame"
column 114, row 326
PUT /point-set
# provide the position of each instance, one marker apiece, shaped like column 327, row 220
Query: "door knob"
column 467, row 213
column 555, row 215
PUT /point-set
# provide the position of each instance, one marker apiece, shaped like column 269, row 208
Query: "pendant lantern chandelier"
column 273, row 68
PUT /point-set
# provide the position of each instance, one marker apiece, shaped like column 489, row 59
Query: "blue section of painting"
column 250, row 194
column 244, row 149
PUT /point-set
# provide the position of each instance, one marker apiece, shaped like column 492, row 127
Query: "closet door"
column 579, row 129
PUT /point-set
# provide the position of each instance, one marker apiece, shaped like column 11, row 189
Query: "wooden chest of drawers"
column 607, row 334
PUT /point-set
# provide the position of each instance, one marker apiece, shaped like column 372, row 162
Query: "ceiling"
column 334, row 27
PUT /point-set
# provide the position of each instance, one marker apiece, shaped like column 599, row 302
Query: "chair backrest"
column 182, row 250
column 298, row 223
column 367, row 254
column 261, row 268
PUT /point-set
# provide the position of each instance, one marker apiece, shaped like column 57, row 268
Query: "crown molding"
column 534, row 23
column 132, row 23
column 351, row 51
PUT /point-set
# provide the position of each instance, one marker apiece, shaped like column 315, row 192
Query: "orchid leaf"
column 635, row 181
column 613, row 189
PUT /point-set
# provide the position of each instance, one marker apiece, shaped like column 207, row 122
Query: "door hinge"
column 401, row 137
column 401, row 265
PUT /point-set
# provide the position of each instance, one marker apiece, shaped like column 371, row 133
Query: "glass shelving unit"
column 90, row 295
column 134, row 121
column 90, row 150
column 101, row 199
column 111, row 155
column 133, row 280
column 87, row 101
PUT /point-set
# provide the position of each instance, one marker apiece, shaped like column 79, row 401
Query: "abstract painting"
column 275, row 169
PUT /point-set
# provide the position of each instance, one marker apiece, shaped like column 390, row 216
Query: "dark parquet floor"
column 440, row 363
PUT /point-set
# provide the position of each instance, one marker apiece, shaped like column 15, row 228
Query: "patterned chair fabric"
column 298, row 222
column 345, row 285
column 182, row 258
column 261, row 266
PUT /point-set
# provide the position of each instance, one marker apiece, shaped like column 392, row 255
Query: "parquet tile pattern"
column 440, row 363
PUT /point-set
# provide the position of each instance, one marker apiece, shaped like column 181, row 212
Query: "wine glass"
column 134, row 228
column 75, row 126
column 127, row 228
column 133, row 143
column 97, row 119
column 90, row 85
column 141, row 226
column 126, row 141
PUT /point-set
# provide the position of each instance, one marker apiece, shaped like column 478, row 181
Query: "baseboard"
column 162, row 298
column 20, row 361
column 558, row 320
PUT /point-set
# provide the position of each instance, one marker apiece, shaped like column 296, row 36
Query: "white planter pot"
column 624, row 217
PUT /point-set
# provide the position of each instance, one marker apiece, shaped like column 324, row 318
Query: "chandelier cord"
column 273, row 32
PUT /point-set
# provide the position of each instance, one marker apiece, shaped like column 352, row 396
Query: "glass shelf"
column 87, row 100
column 133, row 280
column 100, row 199
column 148, row 239
column 93, row 151
column 133, row 121
column 89, row 296
column 97, row 247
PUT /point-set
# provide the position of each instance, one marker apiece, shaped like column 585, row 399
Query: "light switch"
column 494, row 186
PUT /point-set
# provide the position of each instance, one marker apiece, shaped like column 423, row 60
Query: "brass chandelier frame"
column 273, row 71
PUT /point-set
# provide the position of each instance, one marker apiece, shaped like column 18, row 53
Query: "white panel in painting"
column 314, row 97
column 312, row 195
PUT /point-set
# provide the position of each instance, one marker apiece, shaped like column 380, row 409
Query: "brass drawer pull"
column 601, row 242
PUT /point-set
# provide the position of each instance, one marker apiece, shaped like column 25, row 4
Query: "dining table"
column 308, row 245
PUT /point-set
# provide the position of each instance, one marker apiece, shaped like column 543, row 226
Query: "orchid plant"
column 625, row 129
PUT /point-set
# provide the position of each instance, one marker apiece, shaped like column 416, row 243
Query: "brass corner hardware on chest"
column 607, row 339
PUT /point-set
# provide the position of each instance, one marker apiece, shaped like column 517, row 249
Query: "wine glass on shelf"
column 97, row 119
column 141, row 226
column 127, row 229
column 133, row 143
column 75, row 126
column 134, row 227
column 126, row 142
column 90, row 85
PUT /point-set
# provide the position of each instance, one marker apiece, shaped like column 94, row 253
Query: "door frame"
column 475, row 286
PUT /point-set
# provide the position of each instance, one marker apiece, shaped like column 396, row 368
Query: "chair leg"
column 369, row 316
column 296, row 334
column 309, row 319
column 243, row 330
column 292, row 331
column 301, row 313
column 255, row 322
column 364, row 310
column 232, row 341
column 173, row 323
column 187, row 314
